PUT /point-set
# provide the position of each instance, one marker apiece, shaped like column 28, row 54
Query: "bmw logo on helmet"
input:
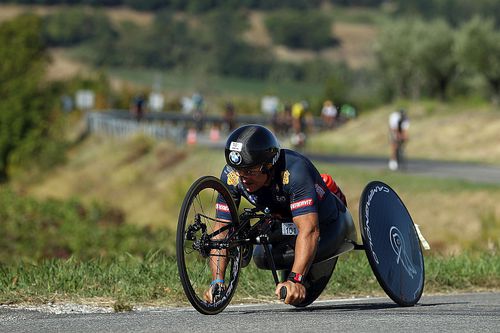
column 235, row 157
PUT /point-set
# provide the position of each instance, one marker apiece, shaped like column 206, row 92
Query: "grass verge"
column 125, row 282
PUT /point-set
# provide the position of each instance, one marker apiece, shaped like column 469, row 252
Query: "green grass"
column 125, row 279
column 128, row 281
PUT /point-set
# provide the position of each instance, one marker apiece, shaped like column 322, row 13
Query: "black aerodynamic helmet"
column 251, row 145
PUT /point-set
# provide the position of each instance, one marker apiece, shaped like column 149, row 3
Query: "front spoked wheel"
column 204, row 248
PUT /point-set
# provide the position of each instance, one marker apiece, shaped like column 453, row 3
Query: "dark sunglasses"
column 249, row 172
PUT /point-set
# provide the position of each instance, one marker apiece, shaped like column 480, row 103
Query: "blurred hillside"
column 364, row 53
column 146, row 180
column 355, row 39
column 453, row 132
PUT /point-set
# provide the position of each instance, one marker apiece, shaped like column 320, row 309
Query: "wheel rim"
column 194, row 242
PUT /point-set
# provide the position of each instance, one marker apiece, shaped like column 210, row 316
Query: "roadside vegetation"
column 127, row 282
column 157, row 176
column 103, row 253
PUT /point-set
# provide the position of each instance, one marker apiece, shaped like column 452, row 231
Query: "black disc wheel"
column 204, row 253
column 391, row 243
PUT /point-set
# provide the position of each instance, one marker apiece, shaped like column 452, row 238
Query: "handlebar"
column 283, row 293
column 251, row 213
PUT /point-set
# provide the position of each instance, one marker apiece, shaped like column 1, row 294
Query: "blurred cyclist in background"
column 398, row 136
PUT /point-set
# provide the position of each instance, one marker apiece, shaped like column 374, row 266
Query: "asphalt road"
column 472, row 172
column 477, row 312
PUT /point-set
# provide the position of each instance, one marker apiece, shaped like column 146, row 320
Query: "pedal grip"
column 283, row 293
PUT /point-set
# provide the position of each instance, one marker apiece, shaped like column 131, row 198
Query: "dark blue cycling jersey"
column 296, row 189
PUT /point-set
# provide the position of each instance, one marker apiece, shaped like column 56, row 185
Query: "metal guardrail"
column 173, row 116
column 164, row 125
column 118, row 125
column 159, row 125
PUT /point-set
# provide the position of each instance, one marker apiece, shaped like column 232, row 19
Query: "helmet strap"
column 267, row 170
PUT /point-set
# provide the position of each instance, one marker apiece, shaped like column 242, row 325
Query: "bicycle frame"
column 242, row 235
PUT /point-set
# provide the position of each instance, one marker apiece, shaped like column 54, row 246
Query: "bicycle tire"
column 193, row 264
column 400, row 156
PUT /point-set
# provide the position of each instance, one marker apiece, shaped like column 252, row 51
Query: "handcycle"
column 389, row 238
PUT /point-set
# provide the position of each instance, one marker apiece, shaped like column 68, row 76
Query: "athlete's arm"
column 306, row 245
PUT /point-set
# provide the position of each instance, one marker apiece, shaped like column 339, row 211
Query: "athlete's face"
column 252, row 178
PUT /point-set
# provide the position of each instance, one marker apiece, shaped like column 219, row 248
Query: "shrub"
column 35, row 230
column 294, row 29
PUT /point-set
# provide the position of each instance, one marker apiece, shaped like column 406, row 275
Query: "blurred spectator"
column 329, row 113
column 187, row 105
column 347, row 112
column 138, row 107
column 230, row 117
column 282, row 122
column 199, row 104
column 156, row 102
column 299, row 123
column 67, row 103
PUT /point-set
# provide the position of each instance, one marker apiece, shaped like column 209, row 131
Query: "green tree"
column 337, row 86
column 455, row 12
column 478, row 50
column 415, row 58
column 168, row 43
column 395, row 56
column 25, row 115
column 224, row 51
column 433, row 54
column 172, row 40
column 295, row 29
column 75, row 25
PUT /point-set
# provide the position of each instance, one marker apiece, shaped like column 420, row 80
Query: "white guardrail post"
column 121, row 126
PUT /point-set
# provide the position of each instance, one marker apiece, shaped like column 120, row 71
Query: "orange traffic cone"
column 214, row 134
column 191, row 136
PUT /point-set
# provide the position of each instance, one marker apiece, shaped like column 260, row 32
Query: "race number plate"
column 289, row 229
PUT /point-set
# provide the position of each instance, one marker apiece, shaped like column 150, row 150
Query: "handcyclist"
column 290, row 186
column 398, row 135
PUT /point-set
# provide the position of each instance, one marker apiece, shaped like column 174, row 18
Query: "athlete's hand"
column 295, row 292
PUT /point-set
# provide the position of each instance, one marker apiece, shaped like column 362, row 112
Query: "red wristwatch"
column 296, row 277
